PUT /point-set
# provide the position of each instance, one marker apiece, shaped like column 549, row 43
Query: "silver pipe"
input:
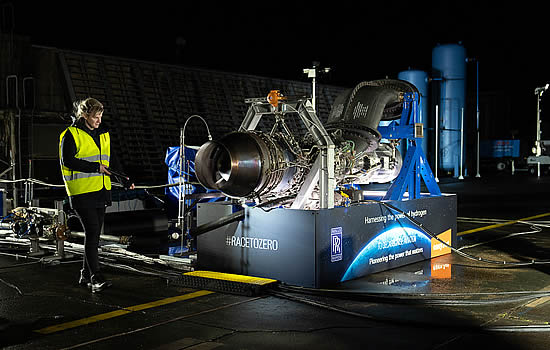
column 13, row 145
column 436, row 140
column 5, row 171
column 460, row 177
column 313, row 97
column 103, row 237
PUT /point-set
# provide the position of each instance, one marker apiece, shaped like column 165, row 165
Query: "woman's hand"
column 103, row 169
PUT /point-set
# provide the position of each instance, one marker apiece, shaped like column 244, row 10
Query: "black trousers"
column 92, row 221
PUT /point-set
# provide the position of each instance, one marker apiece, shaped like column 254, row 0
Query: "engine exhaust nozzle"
column 244, row 164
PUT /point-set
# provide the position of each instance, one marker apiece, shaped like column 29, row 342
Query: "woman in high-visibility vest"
column 85, row 157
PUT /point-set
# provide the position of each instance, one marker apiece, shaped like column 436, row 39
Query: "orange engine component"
column 274, row 97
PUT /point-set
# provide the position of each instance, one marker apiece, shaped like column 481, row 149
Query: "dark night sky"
column 359, row 42
column 357, row 39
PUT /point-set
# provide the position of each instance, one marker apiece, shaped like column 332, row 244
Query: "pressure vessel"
column 449, row 69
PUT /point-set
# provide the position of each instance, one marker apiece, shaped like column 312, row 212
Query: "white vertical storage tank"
column 449, row 68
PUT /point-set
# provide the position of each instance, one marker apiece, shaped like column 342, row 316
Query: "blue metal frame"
column 415, row 165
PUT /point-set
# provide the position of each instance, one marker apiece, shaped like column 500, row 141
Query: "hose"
column 40, row 182
column 225, row 220
column 457, row 251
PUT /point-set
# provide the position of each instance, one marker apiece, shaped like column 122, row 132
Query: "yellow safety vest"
column 77, row 182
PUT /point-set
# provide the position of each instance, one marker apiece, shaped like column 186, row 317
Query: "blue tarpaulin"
column 499, row 148
column 172, row 160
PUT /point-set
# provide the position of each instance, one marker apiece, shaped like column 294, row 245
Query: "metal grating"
column 147, row 103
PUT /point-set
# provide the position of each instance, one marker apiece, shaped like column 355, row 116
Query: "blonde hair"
column 87, row 107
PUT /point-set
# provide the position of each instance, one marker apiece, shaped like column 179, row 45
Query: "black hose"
column 225, row 220
column 504, row 264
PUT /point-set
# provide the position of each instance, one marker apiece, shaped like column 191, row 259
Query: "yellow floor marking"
column 116, row 313
column 500, row 225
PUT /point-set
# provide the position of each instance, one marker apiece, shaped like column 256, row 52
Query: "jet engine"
column 281, row 166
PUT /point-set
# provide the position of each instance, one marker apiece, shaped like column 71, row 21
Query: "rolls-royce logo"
column 335, row 244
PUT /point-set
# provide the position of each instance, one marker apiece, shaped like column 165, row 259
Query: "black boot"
column 84, row 279
column 98, row 282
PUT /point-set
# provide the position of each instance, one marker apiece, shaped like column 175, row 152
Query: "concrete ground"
column 450, row 302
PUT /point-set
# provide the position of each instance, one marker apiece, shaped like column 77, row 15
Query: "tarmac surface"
column 450, row 302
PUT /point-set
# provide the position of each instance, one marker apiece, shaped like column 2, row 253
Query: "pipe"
column 108, row 238
column 314, row 97
column 225, row 220
column 477, row 114
column 538, row 92
column 436, row 140
column 30, row 185
column 13, row 145
column 460, row 177
column 358, row 111
column 5, row 171
column 182, row 186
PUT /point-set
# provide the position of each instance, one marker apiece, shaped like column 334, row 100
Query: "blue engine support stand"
column 415, row 165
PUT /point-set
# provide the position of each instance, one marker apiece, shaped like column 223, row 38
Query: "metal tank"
column 419, row 79
column 449, row 68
